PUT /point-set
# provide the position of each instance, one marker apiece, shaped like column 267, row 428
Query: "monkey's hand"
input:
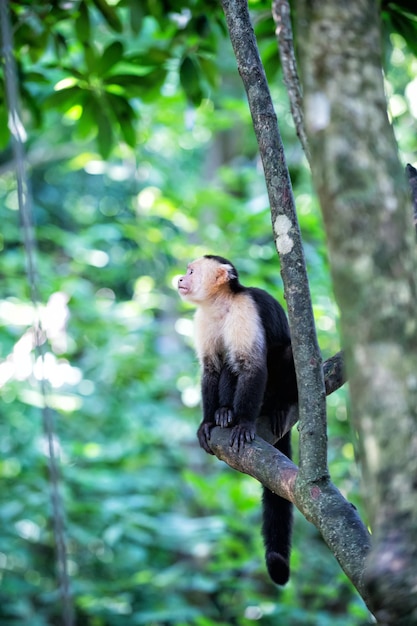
column 241, row 433
column 203, row 434
column 224, row 417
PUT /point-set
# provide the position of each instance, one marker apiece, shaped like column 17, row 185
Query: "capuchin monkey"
column 244, row 348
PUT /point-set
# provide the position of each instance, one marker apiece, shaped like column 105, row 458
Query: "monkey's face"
column 185, row 284
column 190, row 285
column 202, row 281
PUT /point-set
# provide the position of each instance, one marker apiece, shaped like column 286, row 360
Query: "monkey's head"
column 206, row 278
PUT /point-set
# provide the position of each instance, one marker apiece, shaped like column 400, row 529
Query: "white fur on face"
column 203, row 280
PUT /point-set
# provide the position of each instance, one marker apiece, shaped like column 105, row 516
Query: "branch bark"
column 366, row 210
column 281, row 13
column 334, row 373
column 321, row 503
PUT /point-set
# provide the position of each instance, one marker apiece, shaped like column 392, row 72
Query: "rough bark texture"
column 334, row 373
column 366, row 208
column 282, row 17
column 320, row 502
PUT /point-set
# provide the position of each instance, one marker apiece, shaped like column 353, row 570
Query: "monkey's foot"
column 224, row 417
column 278, row 568
column 241, row 434
column 203, row 435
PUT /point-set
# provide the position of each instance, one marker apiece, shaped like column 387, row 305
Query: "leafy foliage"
column 95, row 61
column 401, row 18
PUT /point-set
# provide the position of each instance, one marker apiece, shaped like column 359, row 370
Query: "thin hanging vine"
column 18, row 135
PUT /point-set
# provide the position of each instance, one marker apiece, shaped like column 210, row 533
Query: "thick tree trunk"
column 367, row 214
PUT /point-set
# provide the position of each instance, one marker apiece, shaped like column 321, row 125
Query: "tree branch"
column 307, row 357
column 334, row 372
column 321, row 503
column 334, row 378
column 281, row 13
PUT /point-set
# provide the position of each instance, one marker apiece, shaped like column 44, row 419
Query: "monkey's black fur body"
column 244, row 345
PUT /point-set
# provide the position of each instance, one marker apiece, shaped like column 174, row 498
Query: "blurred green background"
column 141, row 157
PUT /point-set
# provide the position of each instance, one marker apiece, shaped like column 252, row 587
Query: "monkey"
column 243, row 344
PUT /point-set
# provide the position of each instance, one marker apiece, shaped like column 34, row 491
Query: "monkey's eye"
column 191, row 271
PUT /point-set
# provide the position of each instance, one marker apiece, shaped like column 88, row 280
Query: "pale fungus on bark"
column 282, row 227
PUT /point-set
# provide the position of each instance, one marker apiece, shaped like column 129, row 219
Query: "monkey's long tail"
column 277, row 526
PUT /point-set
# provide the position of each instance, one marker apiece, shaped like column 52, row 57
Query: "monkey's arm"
column 210, row 396
column 224, row 415
column 247, row 403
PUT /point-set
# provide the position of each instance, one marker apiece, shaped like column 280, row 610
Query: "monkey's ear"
column 222, row 274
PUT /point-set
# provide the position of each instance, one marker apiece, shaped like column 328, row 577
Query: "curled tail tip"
column 278, row 568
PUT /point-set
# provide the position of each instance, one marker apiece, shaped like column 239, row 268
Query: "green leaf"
column 111, row 55
column 105, row 137
column 190, row 79
column 36, row 77
column 136, row 16
column 82, row 24
column 189, row 75
column 120, row 106
column 406, row 27
column 407, row 6
column 130, row 83
column 153, row 83
column 125, row 116
column 110, row 15
column 202, row 25
column 60, row 43
column 73, row 72
column 145, row 87
column 63, row 99
column 32, row 104
column 153, row 56
column 210, row 71
column 34, row 36
column 87, row 124
column 129, row 133
column 91, row 58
